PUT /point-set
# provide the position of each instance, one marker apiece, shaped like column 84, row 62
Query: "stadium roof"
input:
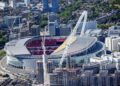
column 17, row 47
column 78, row 45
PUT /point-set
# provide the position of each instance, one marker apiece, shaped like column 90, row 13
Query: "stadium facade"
column 24, row 53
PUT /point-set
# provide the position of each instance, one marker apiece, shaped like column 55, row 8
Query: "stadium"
column 25, row 52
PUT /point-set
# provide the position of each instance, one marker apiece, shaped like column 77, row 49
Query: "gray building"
column 12, row 20
column 52, row 24
column 64, row 77
column 34, row 30
column 114, row 31
column 90, row 25
column 39, row 73
column 64, row 30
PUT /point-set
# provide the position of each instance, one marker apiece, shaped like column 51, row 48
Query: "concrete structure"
column 114, row 31
column 95, row 67
column 112, row 43
column 27, row 2
column 12, row 3
column 52, row 24
column 108, row 61
column 12, row 21
column 64, row 77
column 2, row 5
column 55, row 6
column 40, row 70
column 90, row 25
column 34, row 30
column 50, row 5
column 39, row 75
column 64, row 30
column 45, row 5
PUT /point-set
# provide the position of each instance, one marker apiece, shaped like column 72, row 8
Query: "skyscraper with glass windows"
column 50, row 6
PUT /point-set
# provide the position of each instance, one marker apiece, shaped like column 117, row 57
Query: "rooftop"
column 17, row 47
column 78, row 44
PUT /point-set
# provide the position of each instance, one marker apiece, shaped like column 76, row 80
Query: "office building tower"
column 12, row 21
column 64, row 77
column 91, row 66
column 85, row 78
column 39, row 75
column 112, row 43
column 52, row 24
column 50, row 6
column 103, row 78
column 35, row 30
column 45, row 5
column 55, row 6
column 40, row 71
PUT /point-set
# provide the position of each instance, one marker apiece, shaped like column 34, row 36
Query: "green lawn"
column 2, row 54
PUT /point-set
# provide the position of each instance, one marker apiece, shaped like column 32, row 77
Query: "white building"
column 2, row 5
column 12, row 3
column 27, row 2
column 112, row 43
column 114, row 58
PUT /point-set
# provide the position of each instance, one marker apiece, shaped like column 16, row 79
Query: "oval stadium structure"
column 27, row 51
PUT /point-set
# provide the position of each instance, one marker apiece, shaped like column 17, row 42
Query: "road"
column 12, row 71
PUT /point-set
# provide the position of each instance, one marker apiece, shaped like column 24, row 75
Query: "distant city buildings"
column 12, row 21
column 12, row 3
column 40, row 71
column 27, row 2
column 3, row 5
column 64, row 30
column 52, row 24
column 34, row 30
column 50, row 5
column 112, row 43
column 114, row 31
column 64, row 77
column 90, row 25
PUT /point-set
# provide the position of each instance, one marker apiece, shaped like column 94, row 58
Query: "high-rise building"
column 91, row 66
column 112, row 43
column 85, row 78
column 40, row 71
column 52, row 24
column 39, row 76
column 50, row 6
column 34, row 30
column 64, row 77
column 55, row 6
column 45, row 5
